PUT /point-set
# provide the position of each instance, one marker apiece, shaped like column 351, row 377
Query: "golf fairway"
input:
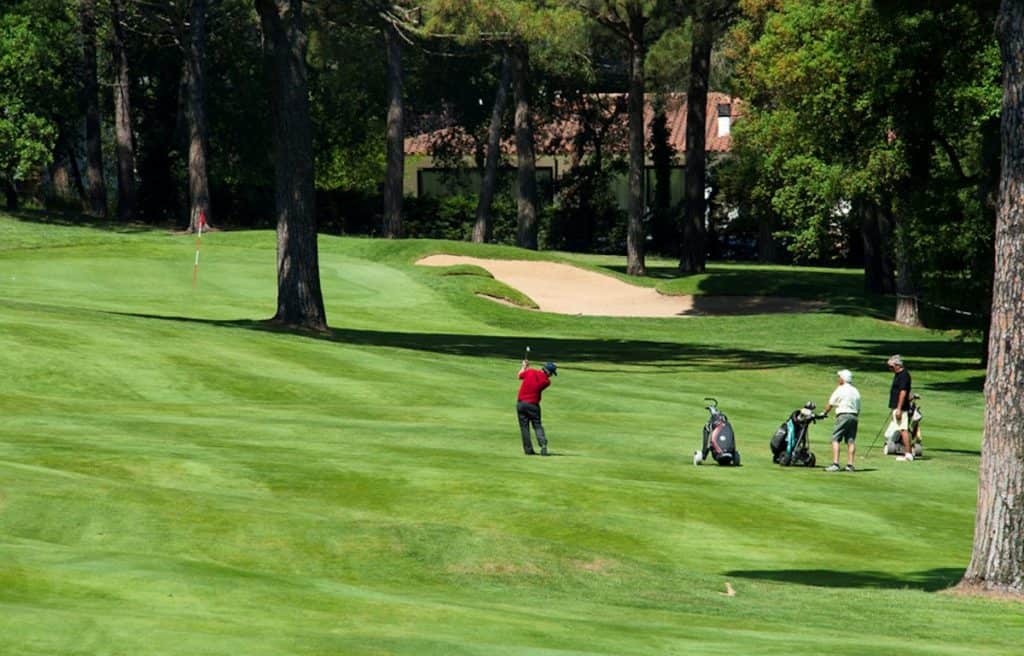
column 178, row 478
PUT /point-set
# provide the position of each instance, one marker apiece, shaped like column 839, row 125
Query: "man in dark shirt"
column 535, row 381
column 899, row 403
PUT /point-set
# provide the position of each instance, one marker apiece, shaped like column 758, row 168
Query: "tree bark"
column 692, row 258
column 64, row 173
column 127, row 195
column 635, row 265
column 97, row 192
column 997, row 559
column 663, row 228
column 906, row 297
column 198, row 126
column 11, row 195
column 299, row 299
column 526, row 189
column 395, row 135
column 483, row 226
column 766, row 246
column 876, row 232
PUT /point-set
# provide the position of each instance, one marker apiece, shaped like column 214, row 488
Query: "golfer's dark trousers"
column 529, row 413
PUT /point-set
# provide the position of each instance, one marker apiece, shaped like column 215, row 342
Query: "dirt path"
column 565, row 289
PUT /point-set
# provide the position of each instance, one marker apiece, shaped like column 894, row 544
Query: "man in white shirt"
column 846, row 400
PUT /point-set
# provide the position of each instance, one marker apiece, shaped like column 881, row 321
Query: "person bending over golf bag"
column 535, row 381
column 719, row 440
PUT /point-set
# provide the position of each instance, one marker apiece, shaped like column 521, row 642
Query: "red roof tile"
column 557, row 138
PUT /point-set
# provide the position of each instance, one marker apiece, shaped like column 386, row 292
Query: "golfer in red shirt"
column 535, row 381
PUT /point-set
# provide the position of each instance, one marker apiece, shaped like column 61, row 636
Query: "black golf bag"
column 893, row 443
column 790, row 445
column 719, row 439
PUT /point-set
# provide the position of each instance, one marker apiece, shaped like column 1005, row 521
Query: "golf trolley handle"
column 714, row 402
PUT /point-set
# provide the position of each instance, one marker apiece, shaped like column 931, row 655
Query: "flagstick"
column 199, row 241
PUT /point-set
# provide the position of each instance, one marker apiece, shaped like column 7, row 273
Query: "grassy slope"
column 176, row 479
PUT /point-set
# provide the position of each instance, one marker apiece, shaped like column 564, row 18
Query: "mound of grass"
column 177, row 477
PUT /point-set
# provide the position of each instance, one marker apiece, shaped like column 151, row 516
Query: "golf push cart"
column 893, row 444
column 719, row 439
column 790, row 446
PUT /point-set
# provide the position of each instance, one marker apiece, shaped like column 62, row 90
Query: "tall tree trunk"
column 483, row 226
column 692, row 258
column 997, row 560
column 396, row 136
column 91, row 102
column 766, row 246
column 906, row 292
column 526, row 189
column 127, row 196
column 663, row 228
column 76, row 173
column 11, row 194
column 198, row 127
column 876, row 232
column 635, row 265
column 915, row 122
column 299, row 299
column 64, row 173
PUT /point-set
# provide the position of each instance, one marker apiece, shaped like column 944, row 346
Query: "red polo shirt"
column 534, row 382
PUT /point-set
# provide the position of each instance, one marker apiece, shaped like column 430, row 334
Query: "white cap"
column 845, row 375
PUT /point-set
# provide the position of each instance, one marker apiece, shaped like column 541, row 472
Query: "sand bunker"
column 565, row 289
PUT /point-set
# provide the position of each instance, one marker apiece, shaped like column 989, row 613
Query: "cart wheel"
column 918, row 450
column 885, row 449
column 811, row 460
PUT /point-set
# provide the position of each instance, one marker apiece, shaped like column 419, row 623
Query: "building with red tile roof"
column 557, row 139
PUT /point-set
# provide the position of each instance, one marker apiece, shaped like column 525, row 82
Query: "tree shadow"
column 921, row 355
column 78, row 220
column 653, row 272
column 919, row 349
column 667, row 356
column 965, row 452
column 659, row 356
column 774, row 282
column 972, row 384
column 931, row 580
column 749, row 305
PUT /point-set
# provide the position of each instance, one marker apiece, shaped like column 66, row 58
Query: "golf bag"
column 790, row 446
column 893, row 443
column 719, row 439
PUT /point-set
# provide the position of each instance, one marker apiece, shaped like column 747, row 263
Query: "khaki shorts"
column 895, row 426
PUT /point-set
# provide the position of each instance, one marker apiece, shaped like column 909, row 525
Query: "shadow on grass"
column 656, row 273
column 668, row 355
column 77, row 219
column 931, row 580
column 972, row 384
column 919, row 349
column 963, row 452
column 774, row 282
column 664, row 356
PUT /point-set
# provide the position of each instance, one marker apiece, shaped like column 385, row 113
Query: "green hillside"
column 177, row 477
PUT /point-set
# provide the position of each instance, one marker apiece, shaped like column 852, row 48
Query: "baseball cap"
column 895, row 360
column 846, row 375
column 551, row 368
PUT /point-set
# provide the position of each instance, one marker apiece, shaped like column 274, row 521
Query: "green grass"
column 177, row 478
